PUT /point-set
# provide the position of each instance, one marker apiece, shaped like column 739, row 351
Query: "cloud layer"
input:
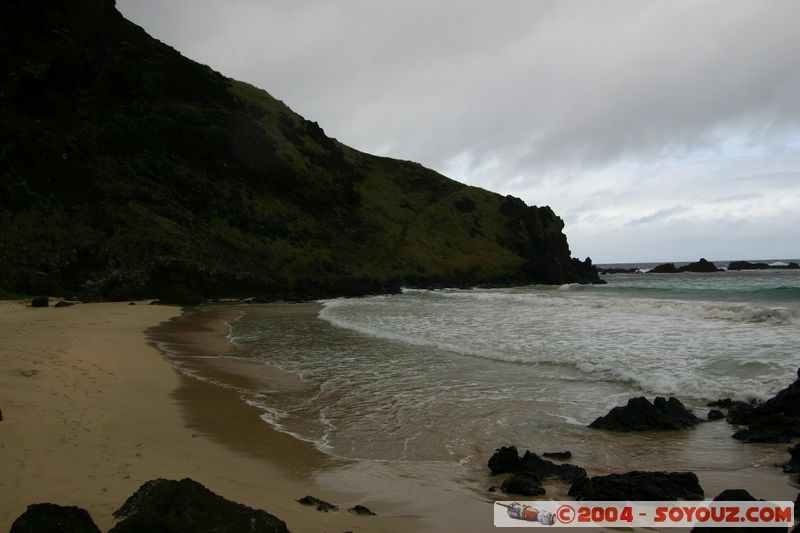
column 658, row 130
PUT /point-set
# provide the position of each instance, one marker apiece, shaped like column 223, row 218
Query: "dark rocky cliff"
column 127, row 170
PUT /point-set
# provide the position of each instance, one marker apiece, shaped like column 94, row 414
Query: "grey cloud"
column 661, row 214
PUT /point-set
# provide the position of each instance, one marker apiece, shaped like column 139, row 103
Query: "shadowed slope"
column 131, row 171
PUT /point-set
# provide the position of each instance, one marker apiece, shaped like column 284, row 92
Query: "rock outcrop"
column 42, row 301
column 524, row 484
column 561, row 456
column 321, row 505
column 185, row 506
column 792, row 466
column 641, row 415
column 51, row 518
column 645, row 486
column 776, row 420
column 138, row 173
column 700, row 266
column 747, row 265
column 735, row 495
column 666, row 268
column 361, row 510
column 507, row 459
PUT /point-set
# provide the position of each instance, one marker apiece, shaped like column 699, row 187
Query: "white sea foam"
column 390, row 381
column 656, row 345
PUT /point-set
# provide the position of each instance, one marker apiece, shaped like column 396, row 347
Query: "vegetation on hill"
column 127, row 170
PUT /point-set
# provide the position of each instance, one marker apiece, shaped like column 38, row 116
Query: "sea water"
column 449, row 375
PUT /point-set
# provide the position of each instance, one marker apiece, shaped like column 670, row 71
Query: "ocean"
column 447, row 376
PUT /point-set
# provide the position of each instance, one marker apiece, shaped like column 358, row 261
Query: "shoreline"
column 468, row 486
column 91, row 411
column 407, row 496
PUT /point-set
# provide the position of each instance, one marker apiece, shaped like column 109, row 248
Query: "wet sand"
column 407, row 496
column 91, row 411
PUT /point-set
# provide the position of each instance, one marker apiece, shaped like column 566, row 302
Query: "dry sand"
column 91, row 411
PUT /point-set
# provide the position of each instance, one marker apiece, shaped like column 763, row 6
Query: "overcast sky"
column 659, row 130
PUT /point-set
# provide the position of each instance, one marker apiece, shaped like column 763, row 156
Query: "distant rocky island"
column 130, row 171
column 702, row 265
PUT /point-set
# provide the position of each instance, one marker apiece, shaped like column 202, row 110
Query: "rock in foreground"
column 641, row 415
column 185, row 506
column 645, row 486
column 361, row 510
column 776, row 420
column 507, row 459
column 42, row 301
column 792, row 466
column 561, row 456
column 545, row 469
column 321, row 505
column 735, row 495
column 51, row 518
column 524, row 484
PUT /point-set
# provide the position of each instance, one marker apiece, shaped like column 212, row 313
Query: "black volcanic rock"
column 735, row 495
column 641, row 415
column 321, row 505
column 42, row 301
column 361, row 510
column 505, row 459
column 615, row 270
column 137, row 173
column 561, row 456
column 792, row 466
column 544, row 469
column 786, row 401
column 523, row 483
column 723, row 402
column 741, row 412
column 715, row 414
column 773, row 427
column 666, row 268
column 645, row 486
column 185, row 506
column 747, row 265
column 776, row 420
column 63, row 303
column 51, row 518
column 700, row 266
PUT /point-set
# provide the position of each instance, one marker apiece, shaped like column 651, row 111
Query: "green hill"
column 127, row 170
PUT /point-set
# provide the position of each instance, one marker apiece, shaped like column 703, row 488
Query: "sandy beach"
column 91, row 411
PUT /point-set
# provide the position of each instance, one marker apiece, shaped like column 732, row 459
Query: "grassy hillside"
column 128, row 170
